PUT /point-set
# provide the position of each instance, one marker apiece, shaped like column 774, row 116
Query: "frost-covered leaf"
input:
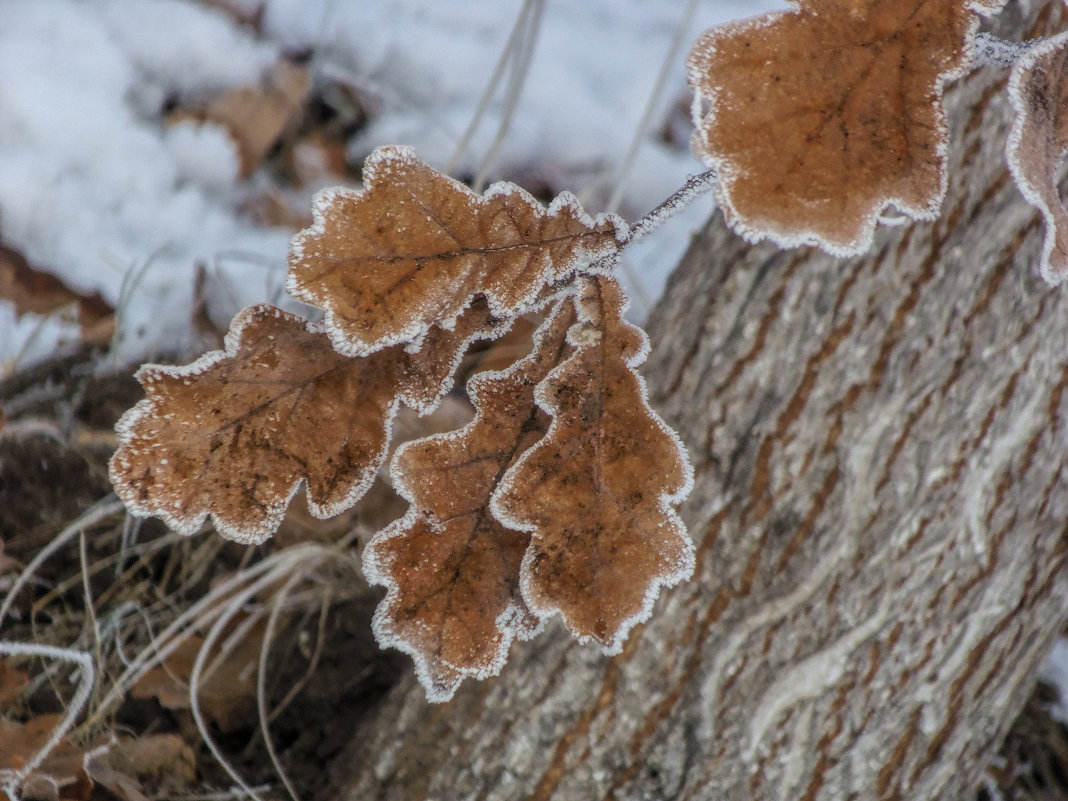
column 233, row 434
column 414, row 248
column 818, row 118
column 595, row 491
column 1038, row 143
column 451, row 569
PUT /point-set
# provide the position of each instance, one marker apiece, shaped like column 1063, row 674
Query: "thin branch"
column 695, row 186
column 491, row 87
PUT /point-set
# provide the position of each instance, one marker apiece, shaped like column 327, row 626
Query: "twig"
column 695, row 186
column 487, row 94
column 515, row 87
column 261, row 681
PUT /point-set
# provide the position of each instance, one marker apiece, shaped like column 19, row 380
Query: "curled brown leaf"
column 1038, row 143
column 819, row 117
column 595, row 492
column 451, row 569
column 415, row 247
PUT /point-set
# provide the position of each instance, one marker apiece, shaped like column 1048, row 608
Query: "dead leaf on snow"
column 257, row 117
column 34, row 291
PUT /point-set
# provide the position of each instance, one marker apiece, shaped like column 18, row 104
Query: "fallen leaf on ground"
column 61, row 775
column 258, row 116
column 12, row 681
column 226, row 693
column 156, row 765
column 7, row 563
column 34, row 291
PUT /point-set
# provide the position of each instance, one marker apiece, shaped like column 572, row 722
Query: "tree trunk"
column 880, row 515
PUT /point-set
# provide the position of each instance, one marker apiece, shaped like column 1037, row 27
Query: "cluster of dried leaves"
column 556, row 499
column 818, row 118
column 127, row 768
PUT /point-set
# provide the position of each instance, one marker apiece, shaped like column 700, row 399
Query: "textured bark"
column 880, row 512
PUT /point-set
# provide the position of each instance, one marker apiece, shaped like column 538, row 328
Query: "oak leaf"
column 415, row 247
column 152, row 766
column 820, row 117
column 452, row 570
column 1038, row 143
column 595, row 492
column 234, row 434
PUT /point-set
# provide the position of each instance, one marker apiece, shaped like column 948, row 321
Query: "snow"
column 97, row 188
column 93, row 190
column 1055, row 672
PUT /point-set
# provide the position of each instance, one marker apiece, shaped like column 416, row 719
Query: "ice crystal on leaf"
column 1038, row 143
column 817, row 119
column 414, row 248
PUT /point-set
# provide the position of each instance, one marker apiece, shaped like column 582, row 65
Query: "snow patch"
column 1055, row 672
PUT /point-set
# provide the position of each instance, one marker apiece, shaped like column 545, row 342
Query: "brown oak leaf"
column 1038, row 143
column 452, row 570
column 818, row 118
column 233, row 434
column 595, row 491
column 415, row 247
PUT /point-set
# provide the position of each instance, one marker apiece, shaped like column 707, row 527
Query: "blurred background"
column 156, row 155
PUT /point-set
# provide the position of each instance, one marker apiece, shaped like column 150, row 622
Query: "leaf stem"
column 695, row 186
